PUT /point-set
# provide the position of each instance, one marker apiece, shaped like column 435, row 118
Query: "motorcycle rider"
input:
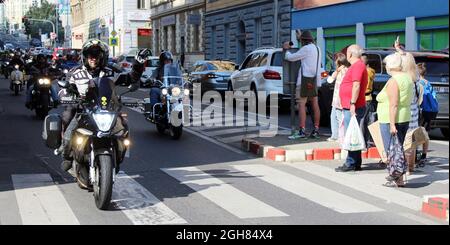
column 166, row 68
column 40, row 67
column 93, row 74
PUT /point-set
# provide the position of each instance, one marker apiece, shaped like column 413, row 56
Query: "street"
column 202, row 179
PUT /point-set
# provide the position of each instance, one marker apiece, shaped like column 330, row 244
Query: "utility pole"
column 114, row 26
column 56, row 20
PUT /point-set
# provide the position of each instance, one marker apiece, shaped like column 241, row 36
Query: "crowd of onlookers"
column 405, row 104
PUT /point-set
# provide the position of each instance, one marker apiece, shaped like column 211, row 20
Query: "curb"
column 292, row 155
column 436, row 206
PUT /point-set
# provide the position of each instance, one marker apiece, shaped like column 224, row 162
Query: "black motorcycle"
column 98, row 144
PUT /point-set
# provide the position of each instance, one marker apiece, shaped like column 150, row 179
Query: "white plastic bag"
column 354, row 139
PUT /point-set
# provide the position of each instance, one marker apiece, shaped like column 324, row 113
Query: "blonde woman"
column 394, row 103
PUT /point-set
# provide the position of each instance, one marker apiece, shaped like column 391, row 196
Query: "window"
column 384, row 40
column 196, row 38
column 277, row 59
column 435, row 66
column 433, row 39
column 141, row 4
column 153, row 63
column 247, row 61
column 263, row 60
column 375, row 62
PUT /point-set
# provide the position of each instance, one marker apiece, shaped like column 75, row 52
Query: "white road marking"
column 214, row 141
column 232, row 131
column 224, row 195
column 308, row 190
column 440, row 142
column 365, row 183
column 41, row 202
column 141, row 206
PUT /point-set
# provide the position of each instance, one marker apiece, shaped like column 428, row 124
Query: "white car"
column 151, row 65
column 261, row 71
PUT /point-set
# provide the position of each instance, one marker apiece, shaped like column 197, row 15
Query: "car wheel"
column 445, row 132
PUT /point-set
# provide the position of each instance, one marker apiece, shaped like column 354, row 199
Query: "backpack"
column 430, row 103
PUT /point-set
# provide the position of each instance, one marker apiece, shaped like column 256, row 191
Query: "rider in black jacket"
column 94, row 73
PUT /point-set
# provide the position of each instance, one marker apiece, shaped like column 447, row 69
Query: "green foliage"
column 47, row 11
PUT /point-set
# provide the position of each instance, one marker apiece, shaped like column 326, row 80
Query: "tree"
column 46, row 11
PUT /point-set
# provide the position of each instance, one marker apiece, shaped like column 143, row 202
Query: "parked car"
column 437, row 74
column 151, row 65
column 212, row 75
column 261, row 71
column 126, row 63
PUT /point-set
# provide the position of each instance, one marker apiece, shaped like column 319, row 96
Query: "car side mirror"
column 236, row 67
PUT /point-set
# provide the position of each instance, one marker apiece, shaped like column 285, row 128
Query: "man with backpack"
column 430, row 105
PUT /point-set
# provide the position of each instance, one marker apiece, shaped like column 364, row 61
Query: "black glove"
column 143, row 55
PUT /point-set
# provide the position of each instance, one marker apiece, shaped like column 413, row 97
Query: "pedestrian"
column 370, row 105
column 342, row 66
column 353, row 100
column 394, row 104
column 430, row 105
column 309, row 79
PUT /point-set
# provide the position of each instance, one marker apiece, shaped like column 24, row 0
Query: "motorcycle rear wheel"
column 16, row 89
column 176, row 132
column 104, row 182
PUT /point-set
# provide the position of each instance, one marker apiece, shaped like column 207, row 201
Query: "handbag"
column 397, row 166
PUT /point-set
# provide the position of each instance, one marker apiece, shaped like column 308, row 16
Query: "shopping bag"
column 375, row 132
column 354, row 139
column 396, row 156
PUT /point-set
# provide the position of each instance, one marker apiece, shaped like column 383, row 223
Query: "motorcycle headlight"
column 176, row 91
column 17, row 67
column 187, row 92
column 104, row 121
column 65, row 71
column 7, row 63
column 44, row 81
column 164, row 91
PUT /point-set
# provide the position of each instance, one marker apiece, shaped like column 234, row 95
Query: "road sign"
column 113, row 41
column 113, row 33
column 53, row 35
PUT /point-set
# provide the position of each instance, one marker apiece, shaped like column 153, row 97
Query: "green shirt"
column 405, row 87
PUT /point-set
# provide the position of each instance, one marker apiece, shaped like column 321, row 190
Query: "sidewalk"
column 282, row 149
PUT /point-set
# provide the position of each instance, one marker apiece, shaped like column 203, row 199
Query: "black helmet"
column 166, row 55
column 96, row 48
column 40, row 57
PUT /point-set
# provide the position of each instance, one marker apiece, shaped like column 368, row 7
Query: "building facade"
column 95, row 19
column 422, row 25
column 235, row 28
column 178, row 27
column 16, row 9
column 2, row 16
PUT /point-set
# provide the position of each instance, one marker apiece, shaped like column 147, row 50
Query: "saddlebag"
column 147, row 106
column 52, row 133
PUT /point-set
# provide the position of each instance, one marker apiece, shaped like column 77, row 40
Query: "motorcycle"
column 98, row 145
column 41, row 100
column 5, row 69
column 169, row 113
column 17, row 80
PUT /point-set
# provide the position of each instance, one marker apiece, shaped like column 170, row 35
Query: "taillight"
column 125, row 65
column 324, row 74
column 272, row 75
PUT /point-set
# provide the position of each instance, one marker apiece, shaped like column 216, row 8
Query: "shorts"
column 308, row 88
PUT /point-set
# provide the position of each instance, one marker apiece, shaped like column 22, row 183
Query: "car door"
column 245, row 75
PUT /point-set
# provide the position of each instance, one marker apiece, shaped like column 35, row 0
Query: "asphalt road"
column 198, row 180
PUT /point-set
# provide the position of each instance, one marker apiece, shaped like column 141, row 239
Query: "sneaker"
column 344, row 168
column 314, row 134
column 294, row 136
column 332, row 139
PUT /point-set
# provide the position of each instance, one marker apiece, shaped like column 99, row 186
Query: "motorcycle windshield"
column 172, row 75
column 101, row 94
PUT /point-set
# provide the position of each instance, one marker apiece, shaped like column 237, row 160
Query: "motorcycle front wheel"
column 176, row 132
column 43, row 111
column 104, row 182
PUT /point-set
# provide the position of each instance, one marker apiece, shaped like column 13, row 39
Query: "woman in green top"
column 394, row 102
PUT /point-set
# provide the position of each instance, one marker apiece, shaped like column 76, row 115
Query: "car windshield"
column 436, row 66
column 220, row 66
column 153, row 63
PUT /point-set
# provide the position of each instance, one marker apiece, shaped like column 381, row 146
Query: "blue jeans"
column 53, row 93
column 354, row 158
column 155, row 96
column 336, row 120
column 385, row 128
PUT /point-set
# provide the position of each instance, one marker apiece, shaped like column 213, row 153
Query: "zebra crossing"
column 41, row 200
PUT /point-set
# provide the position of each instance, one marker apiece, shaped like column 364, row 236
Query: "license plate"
column 17, row 82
